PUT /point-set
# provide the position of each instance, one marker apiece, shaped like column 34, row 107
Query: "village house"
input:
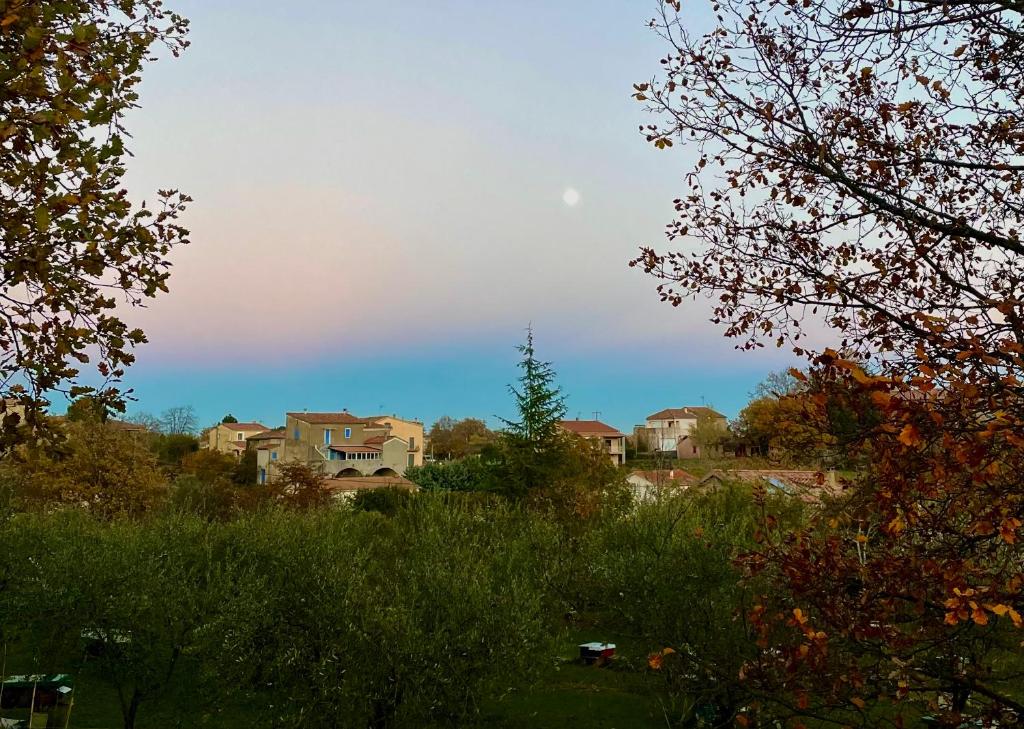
column 231, row 437
column 268, row 446
column 341, row 445
column 610, row 440
column 671, row 430
column 411, row 431
column 811, row 487
column 649, row 486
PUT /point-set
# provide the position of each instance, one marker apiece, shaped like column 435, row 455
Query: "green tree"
column 87, row 409
column 245, row 469
column 450, row 438
column 470, row 436
column 539, row 401
column 634, row 569
column 102, row 468
column 229, row 418
column 142, row 593
column 172, row 450
column 428, row 613
column 709, row 433
column 532, row 449
column 468, row 474
column 71, row 242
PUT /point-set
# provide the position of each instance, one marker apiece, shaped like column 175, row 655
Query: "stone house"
column 339, row 444
column 610, row 440
column 231, row 437
column 670, row 430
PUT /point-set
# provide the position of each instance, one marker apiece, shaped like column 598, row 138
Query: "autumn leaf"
column 978, row 615
column 910, row 435
column 1008, row 530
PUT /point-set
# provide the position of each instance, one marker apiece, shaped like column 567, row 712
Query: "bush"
column 665, row 574
column 365, row 621
column 323, row 618
column 385, row 501
column 469, row 474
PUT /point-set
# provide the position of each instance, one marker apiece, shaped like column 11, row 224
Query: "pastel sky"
column 380, row 210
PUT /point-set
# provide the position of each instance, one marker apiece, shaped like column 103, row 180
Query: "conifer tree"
column 532, row 447
column 539, row 400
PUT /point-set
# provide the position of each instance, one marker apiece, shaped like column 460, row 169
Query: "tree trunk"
column 132, row 711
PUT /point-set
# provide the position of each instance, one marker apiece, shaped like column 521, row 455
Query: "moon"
column 571, row 197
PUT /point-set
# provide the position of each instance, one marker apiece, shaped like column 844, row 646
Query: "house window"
column 412, row 459
column 348, row 433
column 412, row 442
column 295, row 433
column 263, row 475
column 327, row 436
column 273, row 455
column 241, row 436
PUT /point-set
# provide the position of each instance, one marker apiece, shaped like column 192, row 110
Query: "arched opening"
column 385, row 472
column 348, row 473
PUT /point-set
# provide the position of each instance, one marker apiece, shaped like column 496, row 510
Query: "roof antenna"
column 597, row 415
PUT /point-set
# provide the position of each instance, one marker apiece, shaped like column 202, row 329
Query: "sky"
column 388, row 194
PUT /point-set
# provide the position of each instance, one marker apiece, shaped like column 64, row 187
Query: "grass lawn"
column 621, row 696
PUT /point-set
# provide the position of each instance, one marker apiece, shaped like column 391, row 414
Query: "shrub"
column 385, row 501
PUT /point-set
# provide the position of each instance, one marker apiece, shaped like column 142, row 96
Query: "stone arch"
column 348, row 473
column 385, row 472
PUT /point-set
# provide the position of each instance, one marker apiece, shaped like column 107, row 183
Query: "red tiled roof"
column 269, row 435
column 808, row 486
column 690, row 411
column 238, row 445
column 327, row 418
column 245, row 426
column 378, row 418
column 375, row 440
column 590, row 427
column 666, row 476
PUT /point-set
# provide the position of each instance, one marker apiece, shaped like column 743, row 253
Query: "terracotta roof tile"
column 328, row 418
column 245, row 427
column 684, row 413
column 269, row 434
column 666, row 476
column 590, row 427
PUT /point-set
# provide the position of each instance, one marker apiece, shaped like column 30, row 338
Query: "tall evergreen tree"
column 539, row 400
column 532, row 446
